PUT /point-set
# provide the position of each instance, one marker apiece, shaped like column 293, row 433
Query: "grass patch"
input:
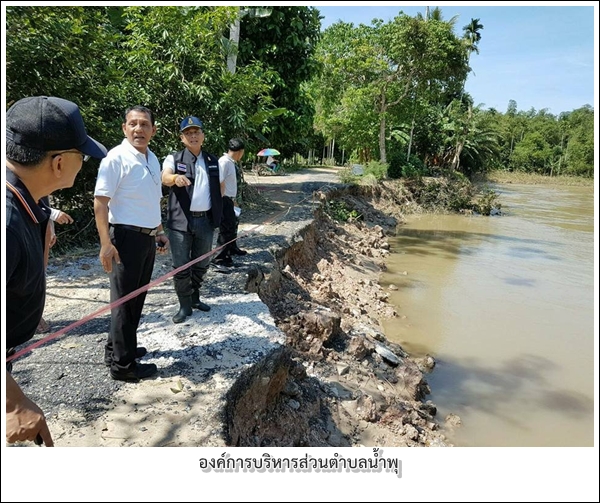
column 341, row 212
column 533, row 179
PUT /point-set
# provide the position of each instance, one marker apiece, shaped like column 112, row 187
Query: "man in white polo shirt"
column 229, row 223
column 194, row 211
column 128, row 217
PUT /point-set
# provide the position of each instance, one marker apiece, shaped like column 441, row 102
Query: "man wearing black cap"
column 46, row 145
column 229, row 222
column 128, row 217
column 194, row 211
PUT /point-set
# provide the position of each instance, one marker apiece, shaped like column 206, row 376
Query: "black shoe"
column 238, row 251
column 220, row 268
column 227, row 262
column 140, row 371
column 140, row 352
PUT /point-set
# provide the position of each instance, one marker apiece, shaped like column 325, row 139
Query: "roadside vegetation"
column 501, row 176
column 389, row 96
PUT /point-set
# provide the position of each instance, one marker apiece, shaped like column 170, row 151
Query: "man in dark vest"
column 194, row 211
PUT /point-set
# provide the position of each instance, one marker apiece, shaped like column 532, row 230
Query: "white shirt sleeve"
column 54, row 214
column 169, row 164
column 223, row 168
column 109, row 176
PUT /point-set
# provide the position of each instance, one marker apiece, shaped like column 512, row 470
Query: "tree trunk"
column 460, row 143
column 234, row 41
column 382, row 155
column 560, row 157
column 456, row 159
column 412, row 128
column 382, row 110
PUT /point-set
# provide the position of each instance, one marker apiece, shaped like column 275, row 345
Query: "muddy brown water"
column 506, row 307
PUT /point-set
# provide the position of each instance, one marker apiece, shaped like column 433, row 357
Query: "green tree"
column 391, row 63
column 68, row 52
column 579, row 152
column 107, row 59
column 284, row 44
column 534, row 153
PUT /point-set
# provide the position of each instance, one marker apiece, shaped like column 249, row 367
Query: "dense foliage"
column 284, row 42
column 391, row 92
column 395, row 92
column 171, row 59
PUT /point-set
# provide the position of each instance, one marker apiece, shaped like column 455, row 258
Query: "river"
column 505, row 305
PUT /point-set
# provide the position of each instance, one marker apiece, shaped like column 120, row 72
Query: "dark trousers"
column 227, row 229
column 186, row 246
column 137, row 252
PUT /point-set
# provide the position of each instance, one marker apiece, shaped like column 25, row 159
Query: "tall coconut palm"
column 471, row 38
column 472, row 35
column 436, row 14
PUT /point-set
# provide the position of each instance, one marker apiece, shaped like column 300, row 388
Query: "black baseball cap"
column 49, row 123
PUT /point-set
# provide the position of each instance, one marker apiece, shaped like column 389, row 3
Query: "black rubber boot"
column 185, row 309
column 197, row 303
column 235, row 250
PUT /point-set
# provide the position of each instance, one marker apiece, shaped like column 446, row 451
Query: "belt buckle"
column 153, row 232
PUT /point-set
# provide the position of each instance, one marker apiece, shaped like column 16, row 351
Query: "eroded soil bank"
column 338, row 381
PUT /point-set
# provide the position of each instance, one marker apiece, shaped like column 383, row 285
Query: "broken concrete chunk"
column 387, row 354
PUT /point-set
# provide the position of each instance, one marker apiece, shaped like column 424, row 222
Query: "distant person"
column 194, row 211
column 46, row 145
column 272, row 163
column 128, row 217
column 231, row 174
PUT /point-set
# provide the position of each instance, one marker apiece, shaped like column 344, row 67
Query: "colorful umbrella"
column 268, row 151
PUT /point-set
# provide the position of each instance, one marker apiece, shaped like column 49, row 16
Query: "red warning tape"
column 142, row 289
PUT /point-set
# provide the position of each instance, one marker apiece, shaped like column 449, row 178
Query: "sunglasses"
column 85, row 157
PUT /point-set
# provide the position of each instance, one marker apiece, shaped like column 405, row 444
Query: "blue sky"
column 541, row 57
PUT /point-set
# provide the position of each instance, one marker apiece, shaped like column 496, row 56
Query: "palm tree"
column 472, row 35
column 435, row 14
column 471, row 38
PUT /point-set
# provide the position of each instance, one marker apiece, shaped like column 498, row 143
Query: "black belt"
column 143, row 230
column 198, row 214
